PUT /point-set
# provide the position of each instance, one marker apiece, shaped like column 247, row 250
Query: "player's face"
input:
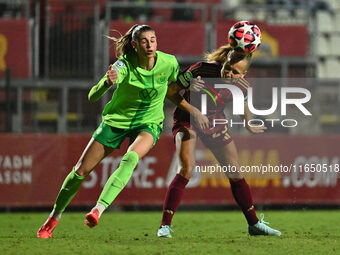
column 147, row 44
column 235, row 71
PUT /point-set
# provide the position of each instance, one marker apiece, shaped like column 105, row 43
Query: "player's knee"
column 82, row 170
column 185, row 172
column 235, row 179
column 235, row 176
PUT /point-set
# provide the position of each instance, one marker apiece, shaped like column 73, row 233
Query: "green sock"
column 68, row 190
column 119, row 178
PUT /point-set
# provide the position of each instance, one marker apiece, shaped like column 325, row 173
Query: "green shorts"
column 114, row 137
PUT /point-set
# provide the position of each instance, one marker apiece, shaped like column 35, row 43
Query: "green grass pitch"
column 223, row 232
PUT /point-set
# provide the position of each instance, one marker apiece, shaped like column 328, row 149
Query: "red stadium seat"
column 162, row 13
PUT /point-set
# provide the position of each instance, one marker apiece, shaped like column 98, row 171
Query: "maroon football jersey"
column 221, row 96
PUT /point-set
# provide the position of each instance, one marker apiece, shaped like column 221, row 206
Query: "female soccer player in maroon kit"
column 225, row 63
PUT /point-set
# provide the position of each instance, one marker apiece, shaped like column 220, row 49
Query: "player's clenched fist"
column 112, row 76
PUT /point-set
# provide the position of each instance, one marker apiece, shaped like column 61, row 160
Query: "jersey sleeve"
column 243, row 84
column 185, row 77
column 100, row 89
column 175, row 70
column 203, row 69
column 227, row 96
column 121, row 67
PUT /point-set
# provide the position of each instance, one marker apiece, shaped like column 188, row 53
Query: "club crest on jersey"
column 162, row 78
column 148, row 94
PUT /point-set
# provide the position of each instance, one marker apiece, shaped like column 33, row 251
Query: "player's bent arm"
column 110, row 78
column 174, row 96
column 251, row 129
column 246, row 115
column 99, row 90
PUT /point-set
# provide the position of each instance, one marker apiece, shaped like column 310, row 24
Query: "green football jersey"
column 139, row 97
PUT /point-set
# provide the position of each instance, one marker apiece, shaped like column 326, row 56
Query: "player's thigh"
column 142, row 144
column 227, row 155
column 185, row 140
column 91, row 157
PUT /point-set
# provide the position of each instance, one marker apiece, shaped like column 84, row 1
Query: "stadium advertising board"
column 15, row 48
column 31, row 174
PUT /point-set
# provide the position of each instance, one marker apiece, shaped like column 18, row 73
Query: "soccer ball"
column 244, row 36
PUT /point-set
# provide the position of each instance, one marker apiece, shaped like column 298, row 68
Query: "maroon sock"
column 173, row 198
column 243, row 198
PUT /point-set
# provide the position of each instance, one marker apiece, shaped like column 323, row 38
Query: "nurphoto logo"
column 281, row 100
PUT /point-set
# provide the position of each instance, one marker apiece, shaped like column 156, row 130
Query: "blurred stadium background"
column 53, row 51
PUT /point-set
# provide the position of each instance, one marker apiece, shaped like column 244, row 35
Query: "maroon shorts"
column 212, row 138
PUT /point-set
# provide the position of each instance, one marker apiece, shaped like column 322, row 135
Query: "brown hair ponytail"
column 123, row 43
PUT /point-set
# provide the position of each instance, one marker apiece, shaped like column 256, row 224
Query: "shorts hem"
column 106, row 144
column 153, row 136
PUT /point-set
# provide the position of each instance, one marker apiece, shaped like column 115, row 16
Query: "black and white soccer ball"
column 244, row 36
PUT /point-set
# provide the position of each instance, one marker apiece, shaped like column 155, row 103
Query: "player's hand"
column 201, row 120
column 196, row 84
column 256, row 129
column 112, row 76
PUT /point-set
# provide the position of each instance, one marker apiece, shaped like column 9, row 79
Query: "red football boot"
column 46, row 230
column 91, row 219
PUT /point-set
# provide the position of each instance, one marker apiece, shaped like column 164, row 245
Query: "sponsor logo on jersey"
column 148, row 94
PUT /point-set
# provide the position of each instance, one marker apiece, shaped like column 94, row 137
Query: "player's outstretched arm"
column 251, row 129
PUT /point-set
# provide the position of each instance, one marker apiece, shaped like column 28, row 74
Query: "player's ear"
column 133, row 43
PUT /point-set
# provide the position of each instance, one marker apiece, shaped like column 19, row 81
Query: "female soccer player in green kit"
column 141, row 74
